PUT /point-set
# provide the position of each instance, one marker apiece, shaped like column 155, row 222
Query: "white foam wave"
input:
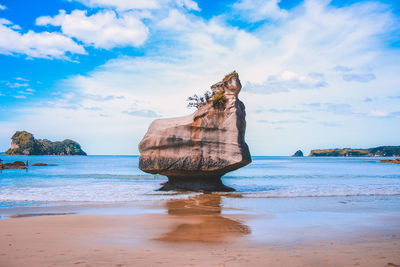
column 327, row 191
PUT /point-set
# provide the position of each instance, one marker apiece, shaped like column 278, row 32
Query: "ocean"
column 112, row 179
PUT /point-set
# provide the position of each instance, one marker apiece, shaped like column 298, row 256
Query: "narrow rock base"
column 205, row 184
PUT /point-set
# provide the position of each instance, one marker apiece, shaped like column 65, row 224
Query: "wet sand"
column 197, row 231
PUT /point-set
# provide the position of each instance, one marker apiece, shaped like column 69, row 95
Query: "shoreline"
column 142, row 206
column 221, row 231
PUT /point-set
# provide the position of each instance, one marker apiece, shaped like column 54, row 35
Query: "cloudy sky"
column 315, row 73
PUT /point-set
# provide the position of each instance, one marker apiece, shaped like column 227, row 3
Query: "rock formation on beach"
column 298, row 153
column 23, row 143
column 196, row 150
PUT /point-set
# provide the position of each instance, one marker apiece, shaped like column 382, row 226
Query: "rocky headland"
column 196, row 150
column 381, row 151
column 24, row 143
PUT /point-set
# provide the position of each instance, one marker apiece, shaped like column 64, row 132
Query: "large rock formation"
column 23, row 143
column 196, row 150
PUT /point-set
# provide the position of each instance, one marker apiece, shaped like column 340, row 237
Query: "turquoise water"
column 111, row 179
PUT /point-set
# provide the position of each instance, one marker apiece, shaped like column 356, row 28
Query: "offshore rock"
column 24, row 143
column 298, row 153
column 391, row 160
column 196, row 150
column 14, row 165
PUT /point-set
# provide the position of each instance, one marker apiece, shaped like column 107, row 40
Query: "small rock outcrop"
column 40, row 164
column 23, row 143
column 21, row 165
column 13, row 165
column 391, row 160
column 298, row 153
column 196, row 150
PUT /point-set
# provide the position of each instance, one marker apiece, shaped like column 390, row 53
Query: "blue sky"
column 316, row 74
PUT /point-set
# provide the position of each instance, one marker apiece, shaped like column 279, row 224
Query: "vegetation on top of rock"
column 197, row 101
column 216, row 96
column 218, row 99
column 381, row 151
column 24, row 143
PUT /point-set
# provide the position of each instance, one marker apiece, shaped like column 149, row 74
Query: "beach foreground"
column 203, row 231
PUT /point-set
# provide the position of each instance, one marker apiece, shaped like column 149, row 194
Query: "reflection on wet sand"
column 202, row 221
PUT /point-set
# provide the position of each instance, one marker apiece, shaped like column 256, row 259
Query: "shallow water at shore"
column 108, row 179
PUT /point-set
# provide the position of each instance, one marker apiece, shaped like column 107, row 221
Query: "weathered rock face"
column 196, row 150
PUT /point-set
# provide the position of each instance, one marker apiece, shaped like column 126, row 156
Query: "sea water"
column 112, row 179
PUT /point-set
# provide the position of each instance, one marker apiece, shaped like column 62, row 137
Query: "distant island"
column 380, row 151
column 298, row 153
column 23, row 143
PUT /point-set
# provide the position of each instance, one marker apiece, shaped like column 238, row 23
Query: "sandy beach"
column 195, row 231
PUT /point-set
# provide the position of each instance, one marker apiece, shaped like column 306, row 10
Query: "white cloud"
column 206, row 38
column 286, row 81
column 142, row 113
column 9, row 24
column 5, row 21
column 17, row 85
column 379, row 113
column 342, row 68
column 25, row 92
column 32, row 44
column 188, row 4
column 257, row 10
column 2, row 7
column 176, row 21
column 102, row 30
column 19, row 96
column 123, row 4
column 362, row 78
column 21, row 79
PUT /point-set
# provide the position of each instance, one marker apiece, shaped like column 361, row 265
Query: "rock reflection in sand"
column 203, row 221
